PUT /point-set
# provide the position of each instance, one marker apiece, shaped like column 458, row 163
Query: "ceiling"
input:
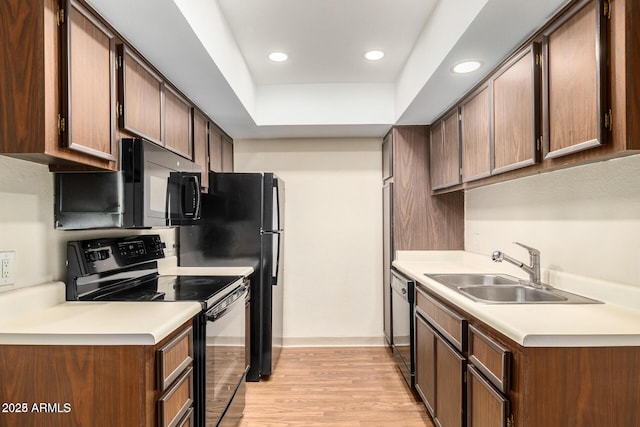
column 215, row 52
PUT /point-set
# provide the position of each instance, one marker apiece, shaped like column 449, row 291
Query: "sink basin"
column 516, row 294
column 474, row 279
column 505, row 289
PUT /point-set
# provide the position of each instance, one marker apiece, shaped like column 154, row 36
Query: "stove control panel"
column 87, row 257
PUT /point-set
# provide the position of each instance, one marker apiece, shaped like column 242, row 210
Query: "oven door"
column 226, row 357
column 402, row 290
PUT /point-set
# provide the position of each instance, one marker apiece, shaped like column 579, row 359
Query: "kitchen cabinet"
column 507, row 384
column 139, row 96
column 177, row 125
column 516, row 111
column 476, row 135
column 39, row 121
column 87, row 119
column 576, row 82
column 227, row 154
column 488, row 381
column 425, row 359
column 412, row 218
column 589, row 57
column 486, row 407
column 201, row 146
column 445, row 152
column 220, row 151
column 99, row 385
column 440, row 360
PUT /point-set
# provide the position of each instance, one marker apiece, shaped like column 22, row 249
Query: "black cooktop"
column 205, row 289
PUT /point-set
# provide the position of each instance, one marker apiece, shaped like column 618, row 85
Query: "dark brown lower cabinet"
column 450, row 367
column 486, row 407
column 469, row 374
column 426, row 363
column 439, row 375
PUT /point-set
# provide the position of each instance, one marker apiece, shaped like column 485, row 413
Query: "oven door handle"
column 214, row 314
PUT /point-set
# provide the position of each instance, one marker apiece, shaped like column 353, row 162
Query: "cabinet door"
column 201, row 146
column 451, row 149
column 450, row 367
column 516, row 111
column 177, row 123
column 436, row 156
column 139, row 97
column 227, row 154
column 486, row 407
column 576, row 81
column 387, row 156
column 476, row 136
column 425, row 358
column 215, row 149
column 88, row 96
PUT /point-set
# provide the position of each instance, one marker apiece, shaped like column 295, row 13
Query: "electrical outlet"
column 7, row 261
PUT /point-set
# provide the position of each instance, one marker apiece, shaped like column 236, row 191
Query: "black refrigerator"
column 242, row 224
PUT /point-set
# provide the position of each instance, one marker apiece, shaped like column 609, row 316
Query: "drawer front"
column 174, row 405
column 485, row 405
column 188, row 419
column 174, row 357
column 490, row 358
column 447, row 322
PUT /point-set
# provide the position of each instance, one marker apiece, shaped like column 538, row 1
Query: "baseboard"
column 334, row 342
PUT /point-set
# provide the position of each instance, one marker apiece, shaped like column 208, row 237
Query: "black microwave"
column 154, row 187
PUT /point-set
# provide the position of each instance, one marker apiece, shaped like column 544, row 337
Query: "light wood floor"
column 338, row 386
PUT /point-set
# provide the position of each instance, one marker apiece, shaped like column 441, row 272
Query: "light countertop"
column 39, row 315
column 614, row 323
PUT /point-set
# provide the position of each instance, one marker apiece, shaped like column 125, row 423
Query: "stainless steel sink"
column 505, row 289
column 474, row 279
column 515, row 294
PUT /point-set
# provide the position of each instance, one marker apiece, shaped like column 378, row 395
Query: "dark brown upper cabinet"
column 87, row 122
column 516, row 111
column 451, row 149
column 387, row 156
column 220, row 150
column 177, row 123
column 444, row 152
column 476, row 134
column 227, row 154
column 201, row 146
column 577, row 115
column 139, row 96
column 436, row 155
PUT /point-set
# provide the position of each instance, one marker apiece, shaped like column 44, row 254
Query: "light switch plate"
column 7, row 261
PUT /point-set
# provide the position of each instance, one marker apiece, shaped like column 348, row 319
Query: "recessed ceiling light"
column 278, row 56
column 374, row 55
column 466, row 67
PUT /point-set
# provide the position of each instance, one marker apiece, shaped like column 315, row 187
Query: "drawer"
column 187, row 420
column 490, row 358
column 446, row 321
column 174, row 357
column 174, row 405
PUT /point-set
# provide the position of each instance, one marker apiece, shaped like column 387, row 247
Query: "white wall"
column 26, row 224
column 585, row 220
column 333, row 235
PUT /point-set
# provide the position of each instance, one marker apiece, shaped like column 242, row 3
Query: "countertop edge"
column 495, row 317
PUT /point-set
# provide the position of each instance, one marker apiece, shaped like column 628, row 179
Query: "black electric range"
column 126, row 269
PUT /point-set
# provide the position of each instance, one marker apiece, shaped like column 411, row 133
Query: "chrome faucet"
column 533, row 270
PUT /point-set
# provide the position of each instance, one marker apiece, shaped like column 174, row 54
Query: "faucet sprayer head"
column 497, row 256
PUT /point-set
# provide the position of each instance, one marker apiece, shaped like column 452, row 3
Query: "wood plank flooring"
column 337, row 386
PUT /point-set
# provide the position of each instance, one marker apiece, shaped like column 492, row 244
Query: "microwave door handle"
column 194, row 190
